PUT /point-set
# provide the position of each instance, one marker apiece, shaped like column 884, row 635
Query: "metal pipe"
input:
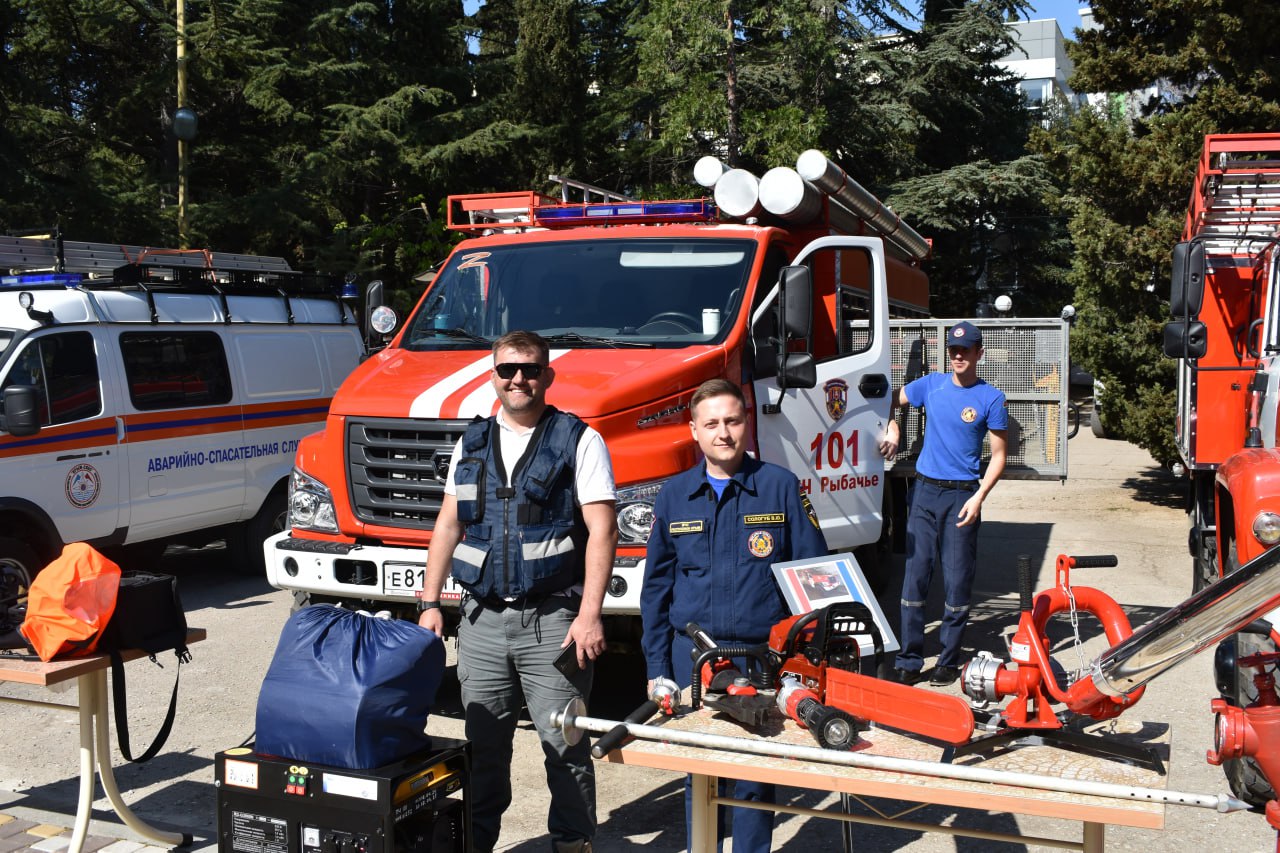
column 737, row 194
column 814, row 167
column 573, row 724
column 1216, row 612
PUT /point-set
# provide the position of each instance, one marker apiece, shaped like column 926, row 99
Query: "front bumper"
column 381, row 573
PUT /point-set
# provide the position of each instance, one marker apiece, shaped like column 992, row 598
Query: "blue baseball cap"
column 964, row 334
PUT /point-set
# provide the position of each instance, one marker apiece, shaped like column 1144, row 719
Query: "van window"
column 175, row 370
column 63, row 368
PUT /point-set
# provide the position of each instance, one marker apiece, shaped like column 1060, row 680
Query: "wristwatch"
column 423, row 604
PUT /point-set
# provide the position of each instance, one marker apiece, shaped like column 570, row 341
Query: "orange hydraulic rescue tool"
column 820, row 650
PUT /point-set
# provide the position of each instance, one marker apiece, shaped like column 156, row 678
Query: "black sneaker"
column 944, row 675
column 907, row 676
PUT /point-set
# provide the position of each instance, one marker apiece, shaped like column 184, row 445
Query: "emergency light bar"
column 499, row 211
column 65, row 279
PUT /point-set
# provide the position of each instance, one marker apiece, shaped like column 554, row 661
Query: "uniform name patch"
column 765, row 518
column 676, row 528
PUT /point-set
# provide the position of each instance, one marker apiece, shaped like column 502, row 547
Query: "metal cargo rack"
column 107, row 266
column 1027, row 359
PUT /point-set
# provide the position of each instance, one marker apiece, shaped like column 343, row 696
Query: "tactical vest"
column 526, row 539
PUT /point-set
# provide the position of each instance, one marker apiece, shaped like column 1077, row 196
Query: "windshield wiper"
column 459, row 332
column 575, row 338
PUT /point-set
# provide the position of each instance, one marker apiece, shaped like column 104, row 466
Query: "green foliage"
column 1127, row 174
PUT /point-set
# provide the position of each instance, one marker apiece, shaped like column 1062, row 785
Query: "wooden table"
column 707, row 766
column 90, row 675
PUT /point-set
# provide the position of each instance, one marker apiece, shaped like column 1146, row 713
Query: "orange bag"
column 70, row 603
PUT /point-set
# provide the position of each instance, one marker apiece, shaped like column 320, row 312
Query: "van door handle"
column 120, row 430
column 873, row 386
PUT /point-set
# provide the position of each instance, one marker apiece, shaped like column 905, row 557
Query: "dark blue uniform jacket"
column 710, row 562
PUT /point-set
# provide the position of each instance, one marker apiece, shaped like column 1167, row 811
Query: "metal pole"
column 183, row 237
column 573, row 724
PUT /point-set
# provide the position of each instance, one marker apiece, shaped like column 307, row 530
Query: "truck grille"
column 397, row 469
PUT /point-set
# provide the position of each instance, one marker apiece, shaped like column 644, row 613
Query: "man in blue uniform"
column 528, row 528
column 717, row 530
column 946, row 501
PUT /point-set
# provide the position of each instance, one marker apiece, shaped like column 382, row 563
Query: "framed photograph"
column 814, row 583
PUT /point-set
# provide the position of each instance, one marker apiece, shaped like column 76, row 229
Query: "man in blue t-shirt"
column 946, row 503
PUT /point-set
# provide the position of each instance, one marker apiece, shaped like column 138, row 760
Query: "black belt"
column 963, row 485
column 498, row 604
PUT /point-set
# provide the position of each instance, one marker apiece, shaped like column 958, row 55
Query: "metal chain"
column 1075, row 631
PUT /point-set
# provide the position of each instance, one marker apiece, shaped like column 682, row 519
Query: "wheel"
column 1246, row 780
column 1095, row 424
column 19, row 559
column 674, row 317
column 246, row 539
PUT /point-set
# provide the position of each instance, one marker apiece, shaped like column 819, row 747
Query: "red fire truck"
column 785, row 284
column 1226, row 339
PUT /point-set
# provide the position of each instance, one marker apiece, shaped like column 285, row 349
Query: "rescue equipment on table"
column 720, row 685
column 664, row 696
column 70, row 603
column 820, row 650
column 348, row 689
column 1037, row 682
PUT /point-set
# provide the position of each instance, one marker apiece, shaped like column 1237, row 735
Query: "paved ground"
column 1116, row 501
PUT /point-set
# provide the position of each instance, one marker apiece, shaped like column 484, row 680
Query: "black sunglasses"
column 508, row 370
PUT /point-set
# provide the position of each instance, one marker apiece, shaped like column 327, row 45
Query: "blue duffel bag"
column 348, row 690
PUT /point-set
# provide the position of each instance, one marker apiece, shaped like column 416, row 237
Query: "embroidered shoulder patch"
column 765, row 518
column 676, row 528
column 809, row 510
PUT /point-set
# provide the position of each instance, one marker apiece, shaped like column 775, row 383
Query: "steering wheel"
column 679, row 317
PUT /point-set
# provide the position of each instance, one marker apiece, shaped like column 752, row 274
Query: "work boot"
column 907, row 676
column 579, row 846
column 944, row 675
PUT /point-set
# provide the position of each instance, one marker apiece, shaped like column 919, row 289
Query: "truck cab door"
column 828, row 432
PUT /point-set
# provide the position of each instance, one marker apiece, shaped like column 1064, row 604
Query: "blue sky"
column 1066, row 11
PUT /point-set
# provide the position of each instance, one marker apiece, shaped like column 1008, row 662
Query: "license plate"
column 405, row 579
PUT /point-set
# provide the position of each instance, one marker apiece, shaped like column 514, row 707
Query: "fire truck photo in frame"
column 820, row 581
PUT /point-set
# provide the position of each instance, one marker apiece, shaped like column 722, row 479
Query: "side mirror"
column 21, row 414
column 795, row 302
column 1187, row 290
column 797, row 370
column 1185, row 339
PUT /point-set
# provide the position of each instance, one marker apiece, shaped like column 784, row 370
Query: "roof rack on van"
column 99, row 266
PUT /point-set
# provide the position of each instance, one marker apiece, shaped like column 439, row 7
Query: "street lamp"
column 184, row 126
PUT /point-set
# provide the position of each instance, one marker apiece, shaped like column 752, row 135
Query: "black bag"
column 148, row 616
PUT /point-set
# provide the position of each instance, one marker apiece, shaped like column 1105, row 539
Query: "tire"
column 17, row 557
column 1095, row 424
column 247, row 538
column 1246, row 780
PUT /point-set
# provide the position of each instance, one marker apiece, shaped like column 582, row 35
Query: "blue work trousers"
column 752, row 830
column 932, row 536
column 505, row 661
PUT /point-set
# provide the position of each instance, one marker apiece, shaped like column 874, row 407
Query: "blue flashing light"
column 66, row 279
column 626, row 213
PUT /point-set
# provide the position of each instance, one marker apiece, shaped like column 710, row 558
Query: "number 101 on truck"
column 641, row 302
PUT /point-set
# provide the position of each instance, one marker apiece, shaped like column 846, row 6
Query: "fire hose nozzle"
column 831, row 727
column 666, row 695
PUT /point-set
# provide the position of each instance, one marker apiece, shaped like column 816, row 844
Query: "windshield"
column 6, row 338
column 603, row 292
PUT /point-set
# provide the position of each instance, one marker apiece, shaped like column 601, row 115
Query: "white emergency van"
column 157, row 396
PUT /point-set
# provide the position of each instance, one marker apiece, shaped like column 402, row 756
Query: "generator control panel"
column 420, row 804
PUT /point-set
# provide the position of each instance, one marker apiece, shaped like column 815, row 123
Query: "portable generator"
column 419, row 804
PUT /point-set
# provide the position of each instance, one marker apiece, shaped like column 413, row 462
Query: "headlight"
column 635, row 512
column 311, row 504
column 1266, row 528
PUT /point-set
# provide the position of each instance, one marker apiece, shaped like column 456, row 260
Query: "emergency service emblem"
column 809, row 510
column 82, row 486
column 837, row 397
column 969, row 414
column 760, row 543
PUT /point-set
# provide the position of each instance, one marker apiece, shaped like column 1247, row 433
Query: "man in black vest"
column 528, row 528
